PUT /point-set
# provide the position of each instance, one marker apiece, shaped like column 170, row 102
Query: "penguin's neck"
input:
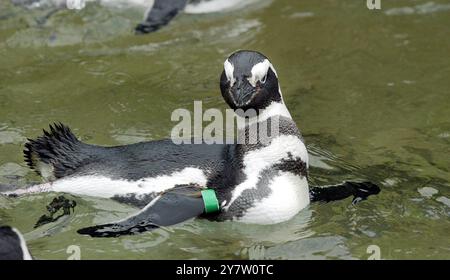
column 269, row 117
column 274, row 109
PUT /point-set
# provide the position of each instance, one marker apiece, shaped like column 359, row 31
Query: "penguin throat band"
column 213, row 126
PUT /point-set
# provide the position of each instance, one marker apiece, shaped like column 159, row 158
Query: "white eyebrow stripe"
column 259, row 70
column 229, row 72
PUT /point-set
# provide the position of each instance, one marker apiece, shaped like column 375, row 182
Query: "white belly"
column 290, row 194
column 101, row 186
column 215, row 6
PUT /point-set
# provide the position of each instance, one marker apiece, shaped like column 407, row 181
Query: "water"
column 368, row 89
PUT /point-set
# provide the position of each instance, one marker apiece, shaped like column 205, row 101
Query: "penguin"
column 161, row 12
column 13, row 245
column 263, row 182
column 157, row 13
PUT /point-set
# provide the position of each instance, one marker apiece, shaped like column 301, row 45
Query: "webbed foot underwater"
column 53, row 207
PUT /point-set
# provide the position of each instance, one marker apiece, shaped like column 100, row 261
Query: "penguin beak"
column 242, row 92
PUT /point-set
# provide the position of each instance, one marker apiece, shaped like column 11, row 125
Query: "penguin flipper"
column 359, row 191
column 167, row 209
column 162, row 12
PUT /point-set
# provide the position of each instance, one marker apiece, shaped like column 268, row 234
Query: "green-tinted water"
column 368, row 89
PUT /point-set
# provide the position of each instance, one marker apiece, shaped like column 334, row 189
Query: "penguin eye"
column 263, row 80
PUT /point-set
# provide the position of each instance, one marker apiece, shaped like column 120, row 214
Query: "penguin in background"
column 13, row 245
column 158, row 13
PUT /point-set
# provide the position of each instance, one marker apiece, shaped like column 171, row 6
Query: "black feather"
column 58, row 147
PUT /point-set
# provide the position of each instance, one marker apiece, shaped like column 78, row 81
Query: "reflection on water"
column 427, row 8
column 368, row 89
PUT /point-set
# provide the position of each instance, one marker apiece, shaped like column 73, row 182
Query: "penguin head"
column 249, row 81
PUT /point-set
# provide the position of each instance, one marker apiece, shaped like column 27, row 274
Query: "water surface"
column 368, row 89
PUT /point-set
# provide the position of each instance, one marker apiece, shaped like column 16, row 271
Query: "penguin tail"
column 55, row 153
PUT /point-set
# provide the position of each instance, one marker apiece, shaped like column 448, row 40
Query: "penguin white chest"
column 282, row 192
column 289, row 194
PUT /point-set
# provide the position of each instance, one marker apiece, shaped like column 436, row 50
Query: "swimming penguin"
column 265, row 182
column 158, row 13
column 13, row 245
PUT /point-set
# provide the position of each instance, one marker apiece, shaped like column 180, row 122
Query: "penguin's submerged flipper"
column 169, row 208
column 359, row 191
column 162, row 12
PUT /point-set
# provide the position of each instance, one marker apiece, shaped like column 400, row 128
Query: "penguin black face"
column 249, row 81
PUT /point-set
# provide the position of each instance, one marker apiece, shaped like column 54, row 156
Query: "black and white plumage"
column 264, row 182
column 157, row 13
column 13, row 245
